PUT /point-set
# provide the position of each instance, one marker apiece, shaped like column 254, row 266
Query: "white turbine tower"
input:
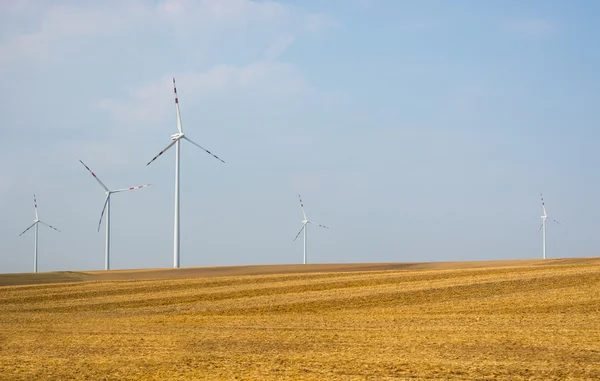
column 35, row 224
column 176, row 138
column 106, row 207
column 305, row 222
column 543, row 227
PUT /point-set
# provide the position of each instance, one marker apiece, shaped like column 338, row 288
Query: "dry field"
column 518, row 320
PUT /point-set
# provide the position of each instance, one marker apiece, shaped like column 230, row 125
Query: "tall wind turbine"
column 35, row 224
column 176, row 139
column 305, row 222
column 543, row 227
column 106, row 207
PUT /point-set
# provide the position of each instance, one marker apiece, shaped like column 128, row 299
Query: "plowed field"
column 517, row 320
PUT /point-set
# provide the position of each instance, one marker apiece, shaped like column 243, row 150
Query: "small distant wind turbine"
column 305, row 222
column 107, row 208
column 176, row 138
column 35, row 223
column 543, row 227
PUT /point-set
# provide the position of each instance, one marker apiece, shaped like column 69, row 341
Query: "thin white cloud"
column 224, row 11
column 198, row 21
column 107, row 32
column 265, row 79
column 61, row 24
column 278, row 46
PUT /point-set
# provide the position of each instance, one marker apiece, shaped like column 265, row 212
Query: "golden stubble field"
column 521, row 320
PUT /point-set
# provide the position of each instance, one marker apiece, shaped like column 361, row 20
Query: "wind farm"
column 418, row 141
column 275, row 306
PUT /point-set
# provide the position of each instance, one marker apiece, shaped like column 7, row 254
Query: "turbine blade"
column 207, row 151
column 543, row 205
column 556, row 222
column 103, row 209
column 179, row 126
column 28, row 229
column 303, row 227
column 163, row 151
column 37, row 217
column 96, row 177
column 50, row 226
column 319, row 225
column 131, row 188
column 302, row 206
column 542, row 225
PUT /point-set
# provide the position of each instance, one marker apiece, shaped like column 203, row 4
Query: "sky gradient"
column 415, row 130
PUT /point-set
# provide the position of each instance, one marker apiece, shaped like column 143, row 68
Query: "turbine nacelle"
column 177, row 136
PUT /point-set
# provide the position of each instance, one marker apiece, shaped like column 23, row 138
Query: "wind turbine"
column 543, row 227
column 35, row 223
column 305, row 222
column 176, row 139
column 107, row 208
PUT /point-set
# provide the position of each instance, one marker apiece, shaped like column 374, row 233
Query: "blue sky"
column 418, row 131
